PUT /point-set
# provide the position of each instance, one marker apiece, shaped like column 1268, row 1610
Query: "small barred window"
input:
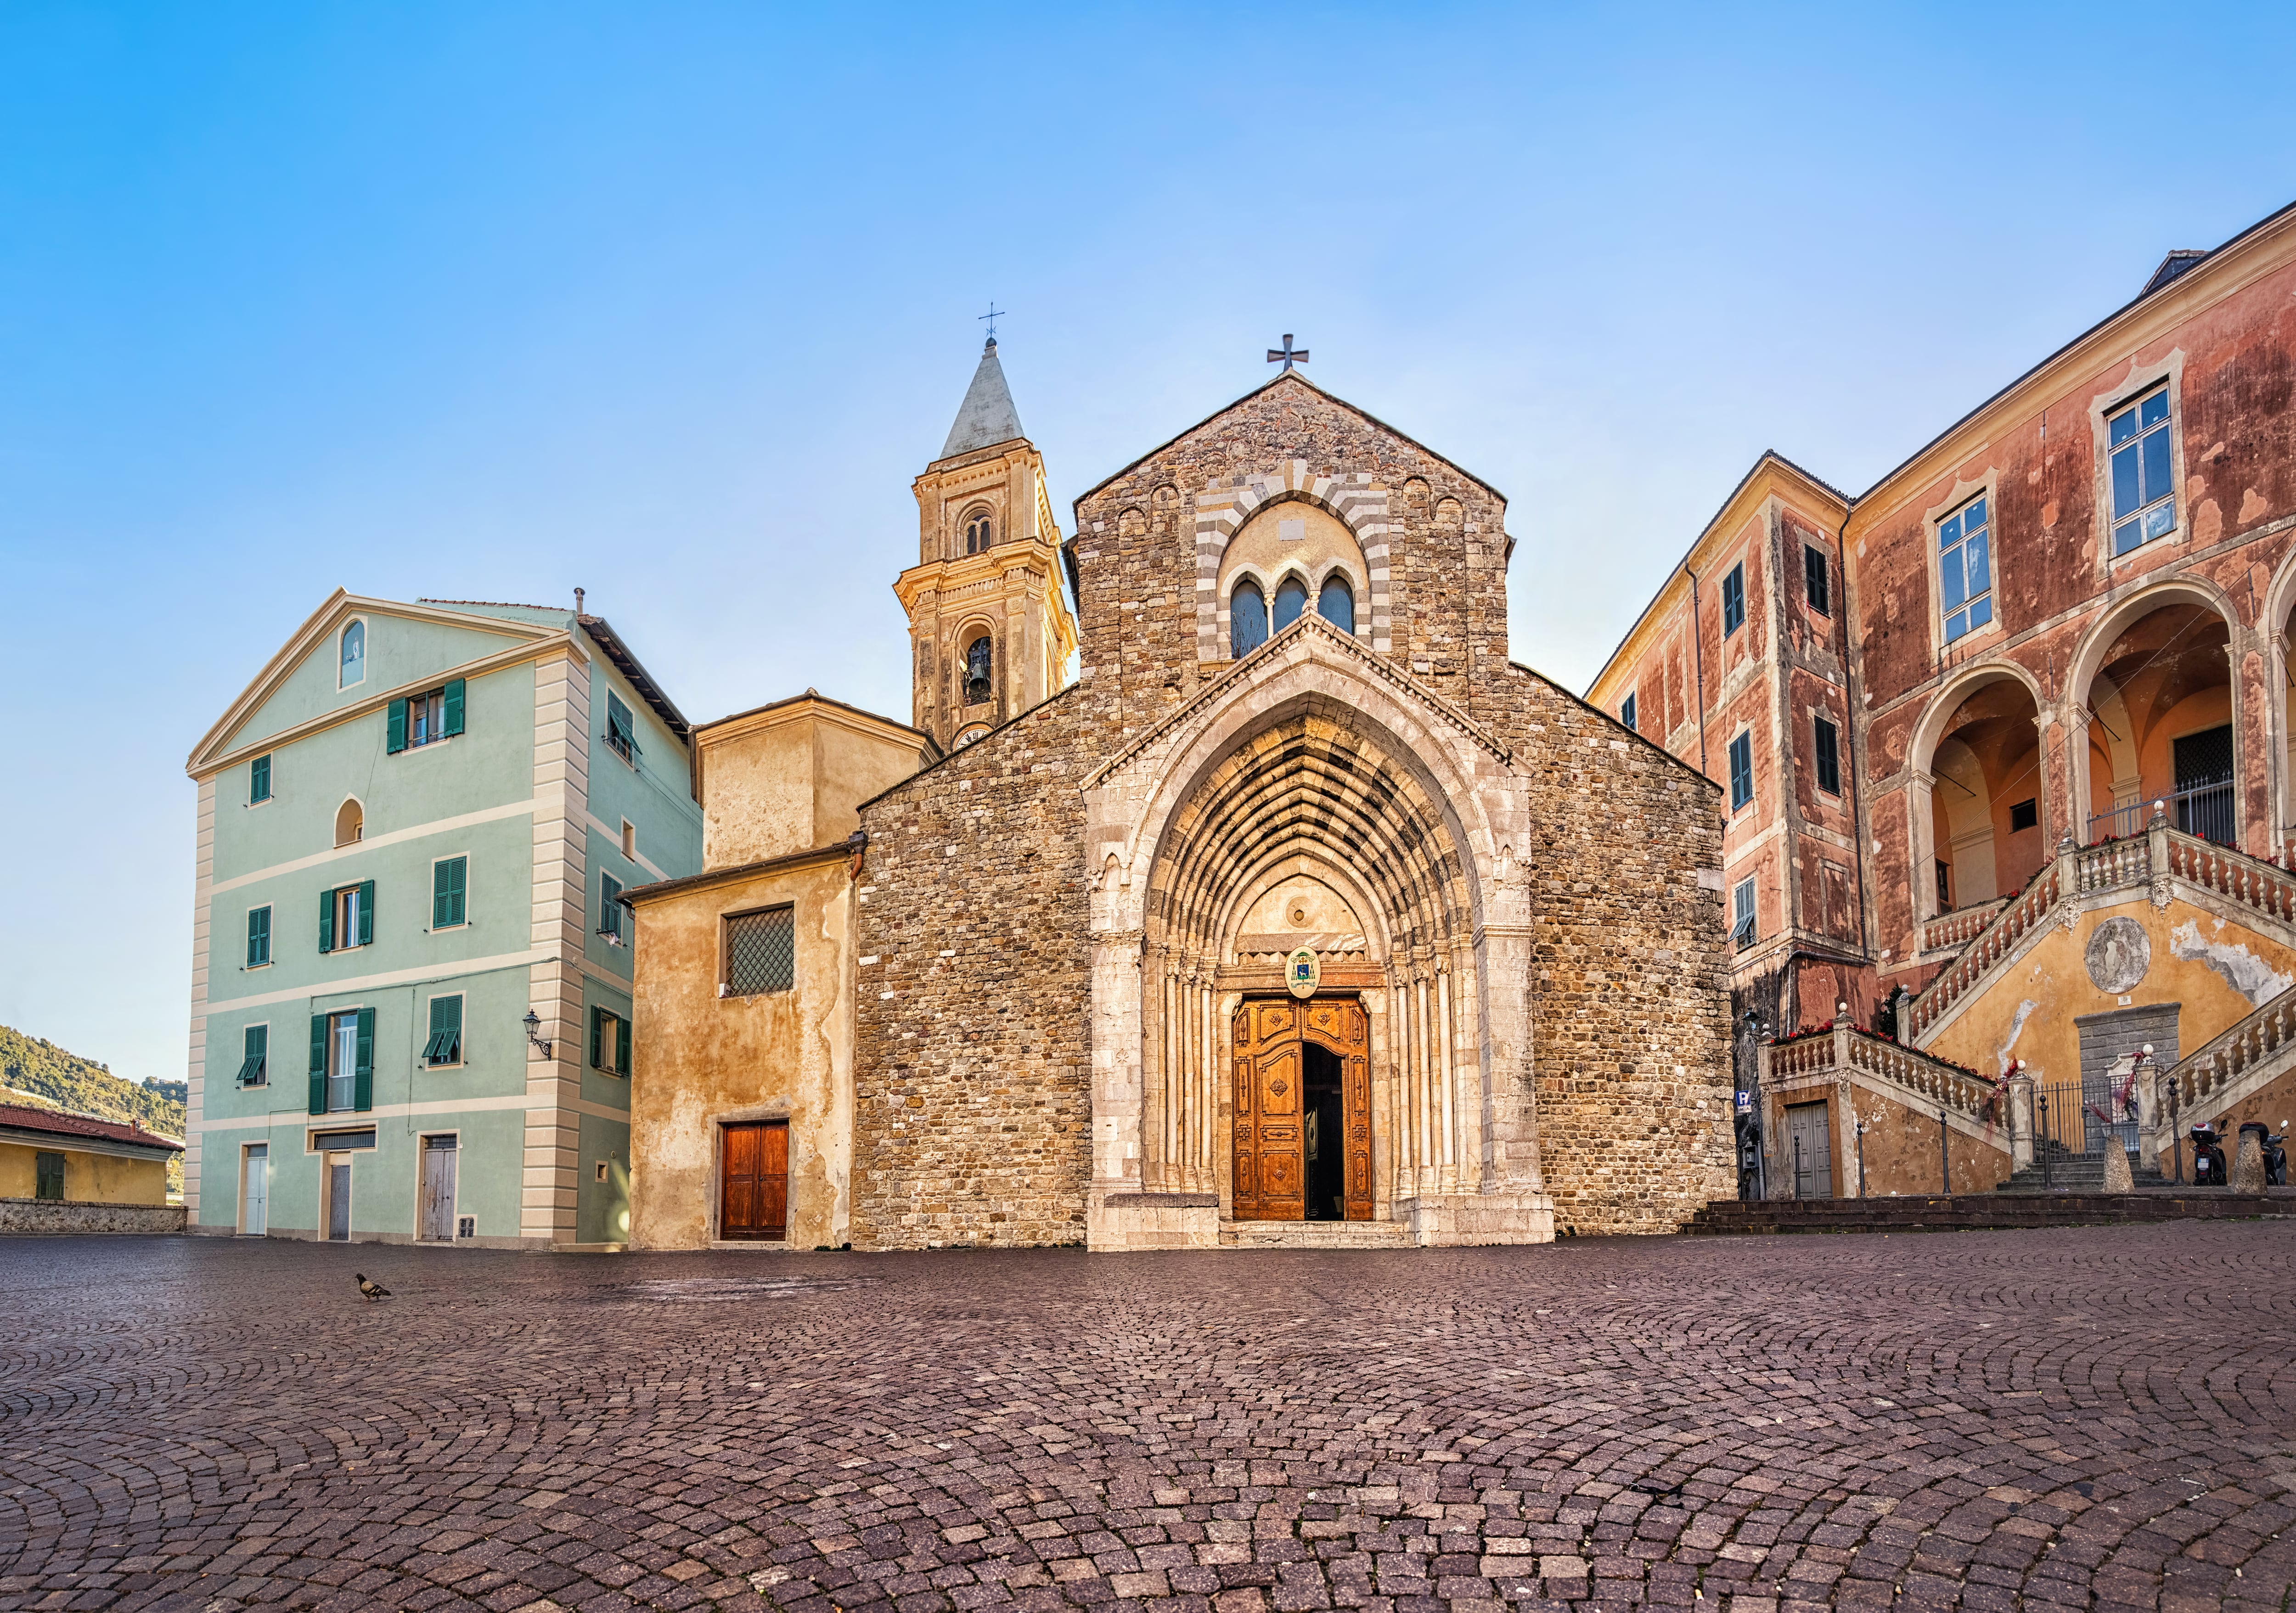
column 761, row 953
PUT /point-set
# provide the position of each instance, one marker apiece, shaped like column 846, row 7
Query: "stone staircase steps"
column 1314, row 1234
column 1973, row 1212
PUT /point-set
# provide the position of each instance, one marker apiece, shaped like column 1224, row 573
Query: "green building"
column 411, row 964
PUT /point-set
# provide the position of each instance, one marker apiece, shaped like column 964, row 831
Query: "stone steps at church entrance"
column 1314, row 1234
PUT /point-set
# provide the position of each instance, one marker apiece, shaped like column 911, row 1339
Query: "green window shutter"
column 258, row 780
column 366, row 912
column 597, row 1036
column 448, row 879
column 327, row 925
column 397, row 727
column 451, row 1022
column 50, row 1183
column 453, row 723
column 362, row 1072
column 318, row 1064
column 621, row 1047
column 251, row 1062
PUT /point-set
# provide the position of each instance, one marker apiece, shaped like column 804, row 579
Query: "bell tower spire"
column 990, row 632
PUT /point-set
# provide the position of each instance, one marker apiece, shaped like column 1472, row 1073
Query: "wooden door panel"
column 772, row 1180
column 755, row 1173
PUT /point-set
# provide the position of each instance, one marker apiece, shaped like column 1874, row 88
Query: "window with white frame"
column 2144, row 486
column 1742, row 914
column 1965, row 568
column 613, row 912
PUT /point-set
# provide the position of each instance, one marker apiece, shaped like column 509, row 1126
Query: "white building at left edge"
column 414, row 829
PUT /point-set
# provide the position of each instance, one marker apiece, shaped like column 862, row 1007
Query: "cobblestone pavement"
column 2096, row 1418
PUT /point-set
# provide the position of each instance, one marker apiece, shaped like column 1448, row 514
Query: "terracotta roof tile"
column 21, row 1117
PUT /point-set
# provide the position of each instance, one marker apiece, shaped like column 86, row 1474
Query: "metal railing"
column 2207, row 812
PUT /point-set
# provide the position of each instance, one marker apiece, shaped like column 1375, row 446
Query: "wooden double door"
column 753, row 1177
column 1302, row 1109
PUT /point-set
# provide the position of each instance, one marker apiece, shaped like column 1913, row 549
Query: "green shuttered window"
column 621, row 732
column 347, row 916
column 258, row 780
column 449, row 878
column 425, row 719
column 610, row 909
column 445, row 1046
column 318, row 1064
column 50, row 1183
column 610, row 1042
column 363, row 1075
column 254, row 1066
column 258, row 937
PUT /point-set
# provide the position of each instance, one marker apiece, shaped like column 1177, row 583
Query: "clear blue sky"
column 671, row 301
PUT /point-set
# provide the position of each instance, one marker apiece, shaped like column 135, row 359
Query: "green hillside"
column 39, row 1068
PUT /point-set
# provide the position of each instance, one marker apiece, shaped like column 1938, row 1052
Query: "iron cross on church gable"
column 1289, row 355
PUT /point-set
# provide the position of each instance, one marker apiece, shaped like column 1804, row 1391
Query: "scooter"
column 2210, row 1168
column 2276, row 1156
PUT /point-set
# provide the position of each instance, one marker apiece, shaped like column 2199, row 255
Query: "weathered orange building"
column 2032, row 681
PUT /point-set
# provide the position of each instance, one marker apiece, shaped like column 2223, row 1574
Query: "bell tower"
column 990, row 632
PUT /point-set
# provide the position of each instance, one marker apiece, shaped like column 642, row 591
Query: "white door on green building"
column 255, row 1191
column 437, row 1189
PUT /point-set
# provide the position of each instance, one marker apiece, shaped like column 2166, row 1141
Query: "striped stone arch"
column 1222, row 510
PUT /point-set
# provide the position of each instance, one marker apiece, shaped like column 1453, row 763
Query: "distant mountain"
column 38, row 1067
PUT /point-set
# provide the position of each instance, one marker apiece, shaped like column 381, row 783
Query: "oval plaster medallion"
column 2119, row 954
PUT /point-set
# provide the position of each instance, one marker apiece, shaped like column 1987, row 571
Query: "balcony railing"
column 2206, row 812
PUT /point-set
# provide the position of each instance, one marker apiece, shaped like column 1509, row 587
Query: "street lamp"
column 533, row 1030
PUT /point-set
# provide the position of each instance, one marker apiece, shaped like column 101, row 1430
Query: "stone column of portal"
column 1422, row 1135
column 1191, row 1043
column 1156, row 1175
column 1445, row 1036
column 1429, row 1084
column 1399, row 1017
column 1209, row 1017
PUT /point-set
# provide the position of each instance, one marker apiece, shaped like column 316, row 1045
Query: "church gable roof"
column 1283, row 377
column 987, row 417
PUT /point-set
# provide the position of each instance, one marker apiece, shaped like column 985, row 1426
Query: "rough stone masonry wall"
column 1630, row 1032
column 973, row 1112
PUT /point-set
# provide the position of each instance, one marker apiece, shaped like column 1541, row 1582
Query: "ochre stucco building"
column 2007, row 754
column 1297, row 913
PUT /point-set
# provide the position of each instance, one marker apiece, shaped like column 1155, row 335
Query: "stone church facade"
column 1302, row 913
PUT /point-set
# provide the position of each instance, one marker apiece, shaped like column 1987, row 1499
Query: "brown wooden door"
column 1271, row 1157
column 1340, row 1025
column 755, row 1172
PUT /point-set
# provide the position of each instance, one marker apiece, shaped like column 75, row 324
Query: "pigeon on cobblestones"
column 373, row 1291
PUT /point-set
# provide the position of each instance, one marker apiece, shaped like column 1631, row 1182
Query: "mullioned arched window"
column 1336, row 604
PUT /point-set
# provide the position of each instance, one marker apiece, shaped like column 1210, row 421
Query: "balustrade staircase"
column 2258, row 893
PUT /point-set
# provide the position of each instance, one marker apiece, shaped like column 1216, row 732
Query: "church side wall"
column 973, row 1113
column 1629, row 996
